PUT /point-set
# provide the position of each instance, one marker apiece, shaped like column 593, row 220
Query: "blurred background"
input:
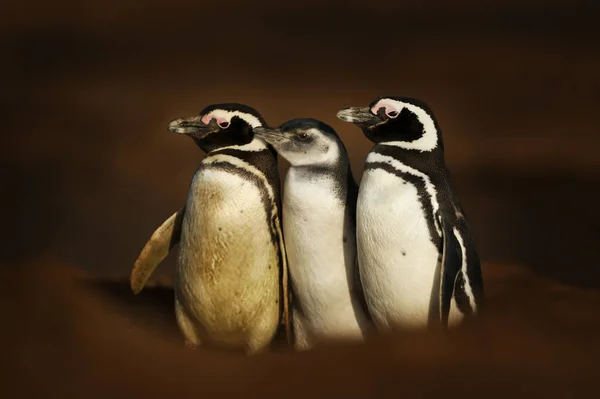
column 88, row 88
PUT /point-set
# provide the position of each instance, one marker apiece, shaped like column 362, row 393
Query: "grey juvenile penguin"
column 232, row 265
column 319, row 209
column 416, row 253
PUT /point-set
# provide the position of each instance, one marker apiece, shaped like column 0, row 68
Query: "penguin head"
column 220, row 125
column 304, row 141
column 399, row 121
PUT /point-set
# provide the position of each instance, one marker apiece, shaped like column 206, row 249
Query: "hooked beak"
column 271, row 136
column 193, row 126
column 360, row 116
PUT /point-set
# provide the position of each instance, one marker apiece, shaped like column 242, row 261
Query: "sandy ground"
column 70, row 336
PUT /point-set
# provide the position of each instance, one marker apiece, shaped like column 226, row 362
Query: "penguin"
column 231, row 283
column 319, row 218
column 418, row 263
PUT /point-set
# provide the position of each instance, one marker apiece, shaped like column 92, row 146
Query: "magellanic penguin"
column 418, row 263
column 319, row 222
column 231, row 285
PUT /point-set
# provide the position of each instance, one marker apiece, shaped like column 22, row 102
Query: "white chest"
column 228, row 274
column 223, row 201
column 226, row 239
column 397, row 258
column 313, row 218
column 320, row 243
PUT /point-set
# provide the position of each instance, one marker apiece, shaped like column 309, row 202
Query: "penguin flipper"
column 285, row 285
column 287, row 297
column 449, row 270
column 165, row 237
column 360, row 291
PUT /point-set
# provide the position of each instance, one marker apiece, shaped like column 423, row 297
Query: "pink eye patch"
column 206, row 119
column 390, row 109
column 222, row 122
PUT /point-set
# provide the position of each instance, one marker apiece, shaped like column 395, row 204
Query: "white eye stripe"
column 225, row 116
column 428, row 141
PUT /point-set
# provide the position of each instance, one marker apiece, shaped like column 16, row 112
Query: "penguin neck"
column 312, row 172
column 411, row 157
column 334, row 164
column 256, row 145
column 337, row 179
column 430, row 163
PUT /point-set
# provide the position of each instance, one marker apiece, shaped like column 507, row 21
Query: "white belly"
column 228, row 266
column 397, row 259
column 321, row 248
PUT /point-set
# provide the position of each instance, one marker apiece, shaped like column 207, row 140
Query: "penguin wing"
column 449, row 269
column 285, row 285
column 165, row 237
column 360, row 291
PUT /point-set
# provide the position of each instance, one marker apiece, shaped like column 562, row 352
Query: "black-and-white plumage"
column 232, row 269
column 319, row 205
column 417, row 256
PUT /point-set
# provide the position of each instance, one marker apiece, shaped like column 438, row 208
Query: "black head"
column 400, row 121
column 220, row 125
column 304, row 141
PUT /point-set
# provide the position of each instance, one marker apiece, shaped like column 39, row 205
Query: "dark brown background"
column 89, row 169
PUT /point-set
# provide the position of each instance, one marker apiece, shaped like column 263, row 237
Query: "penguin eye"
column 303, row 136
column 223, row 124
column 392, row 113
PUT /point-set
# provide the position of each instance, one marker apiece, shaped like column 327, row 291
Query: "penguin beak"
column 360, row 116
column 271, row 136
column 193, row 126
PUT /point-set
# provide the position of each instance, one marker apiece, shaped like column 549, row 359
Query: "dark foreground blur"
column 89, row 170
column 76, row 337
